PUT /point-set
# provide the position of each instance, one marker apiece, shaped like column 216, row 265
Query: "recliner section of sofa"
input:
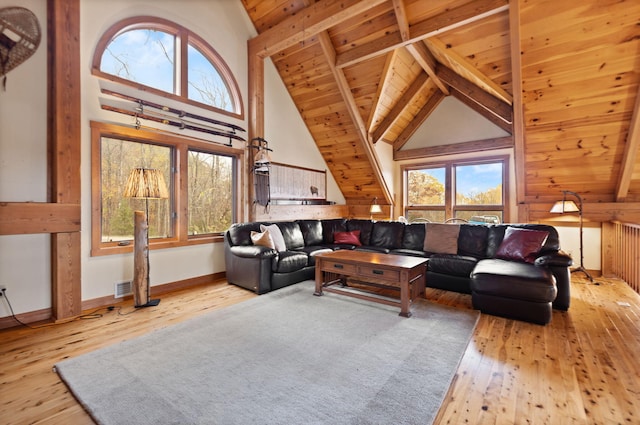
column 500, row 287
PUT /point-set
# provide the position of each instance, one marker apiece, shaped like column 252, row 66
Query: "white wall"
column 24, row 260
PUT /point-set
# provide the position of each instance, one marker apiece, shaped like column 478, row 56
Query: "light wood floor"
column 583, row 368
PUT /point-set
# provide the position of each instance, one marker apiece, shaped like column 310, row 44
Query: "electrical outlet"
column 2, row 289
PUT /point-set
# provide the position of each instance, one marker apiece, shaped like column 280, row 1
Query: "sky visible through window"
column 471, row 179
column 478, row 178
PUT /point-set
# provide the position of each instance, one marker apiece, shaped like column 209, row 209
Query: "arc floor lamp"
column 566, row 206
column 143, row 183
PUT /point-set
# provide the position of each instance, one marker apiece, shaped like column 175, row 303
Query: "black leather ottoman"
column 514, row 290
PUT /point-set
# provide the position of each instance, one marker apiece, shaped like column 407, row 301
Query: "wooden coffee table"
column 374, row 269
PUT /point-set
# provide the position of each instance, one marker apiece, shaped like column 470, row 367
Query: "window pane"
column 479, row 184
column 211, row 193
column 426, row 187
column 477, row 216
column 205, row 83
column 432, row 216
column 118, row 158
column 145, row 56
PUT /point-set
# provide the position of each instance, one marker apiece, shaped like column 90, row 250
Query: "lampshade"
column 561, row 207
column 146, row 183
column 375, row 208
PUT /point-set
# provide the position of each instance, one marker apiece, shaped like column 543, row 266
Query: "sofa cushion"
column 472, row 240
column 311, row 231
column 510, row 279
column 289, row 261
column 441, row 238
column 329, row 227
column 276, row 235
column 521, row 244
column 413, row 237
column 455, row 265
column 262, row 239
column 364, row 226
column 350, row 238
column 292, row 234
column 387, row 234
column 239, row 234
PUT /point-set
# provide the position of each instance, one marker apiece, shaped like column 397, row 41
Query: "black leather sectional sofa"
column 519, row 288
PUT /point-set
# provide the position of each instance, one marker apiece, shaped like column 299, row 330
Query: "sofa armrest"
column 556, row 259
column 253, row 251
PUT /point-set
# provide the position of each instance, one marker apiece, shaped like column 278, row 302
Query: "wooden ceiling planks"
column 579, row 82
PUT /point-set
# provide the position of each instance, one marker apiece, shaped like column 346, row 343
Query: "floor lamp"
column 566, row 206
column 143, row 183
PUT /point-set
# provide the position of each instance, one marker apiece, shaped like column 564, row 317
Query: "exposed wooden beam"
column 64, row 123
column 456, row 148
column 629, row 159
column 382, row 85
column 423, row 56
column 306, row 23
column 401, row 17
column 256, row 117
column 451, row 19
column 21, row 218
column 403, row 103
column 352, row 108
column 494, row 105
column 518, row 108
column 482, row 111
column 418, row 120
column 459, row 62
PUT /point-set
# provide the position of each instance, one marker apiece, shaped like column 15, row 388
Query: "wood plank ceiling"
column 364, row 72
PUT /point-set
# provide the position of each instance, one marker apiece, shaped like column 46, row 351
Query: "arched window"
column 163, row 57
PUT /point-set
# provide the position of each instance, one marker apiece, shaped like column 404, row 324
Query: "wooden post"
column 140, row 253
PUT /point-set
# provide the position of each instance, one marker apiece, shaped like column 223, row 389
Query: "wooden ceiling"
column 371, row 71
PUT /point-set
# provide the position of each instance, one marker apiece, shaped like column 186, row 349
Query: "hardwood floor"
column 580, row 369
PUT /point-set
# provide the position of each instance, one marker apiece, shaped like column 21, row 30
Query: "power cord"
column 92, row 315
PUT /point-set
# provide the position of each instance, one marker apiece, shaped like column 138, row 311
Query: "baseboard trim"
column 47, row 313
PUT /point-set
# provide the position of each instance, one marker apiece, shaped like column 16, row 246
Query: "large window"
column 202, row 179
column 465, row 190
column 163, row 57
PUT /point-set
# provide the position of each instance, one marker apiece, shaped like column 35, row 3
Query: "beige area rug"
column 286, row 357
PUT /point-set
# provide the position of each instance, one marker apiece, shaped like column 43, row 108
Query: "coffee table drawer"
column 337, row 267
column 379, row 273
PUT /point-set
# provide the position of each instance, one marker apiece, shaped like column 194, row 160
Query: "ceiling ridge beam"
column 428, row 62
column 496, row 106
column 455, row 59
column 449, row 20
column 306, row 23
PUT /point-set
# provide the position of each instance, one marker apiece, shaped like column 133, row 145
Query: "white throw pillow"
column 276, row 235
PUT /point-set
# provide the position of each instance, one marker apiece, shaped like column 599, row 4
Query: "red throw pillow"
column 521, row 244
column 348, row 238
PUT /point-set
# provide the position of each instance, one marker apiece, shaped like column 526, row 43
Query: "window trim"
column 180, row 224
column 450, row 207
column 184, row 37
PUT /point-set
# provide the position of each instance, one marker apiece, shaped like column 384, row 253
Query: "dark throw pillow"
column 348, row 238
column 521, row 244
column 441, row 238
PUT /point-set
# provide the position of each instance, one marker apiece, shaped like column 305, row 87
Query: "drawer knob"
column 338, row 266
column 378, row 272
